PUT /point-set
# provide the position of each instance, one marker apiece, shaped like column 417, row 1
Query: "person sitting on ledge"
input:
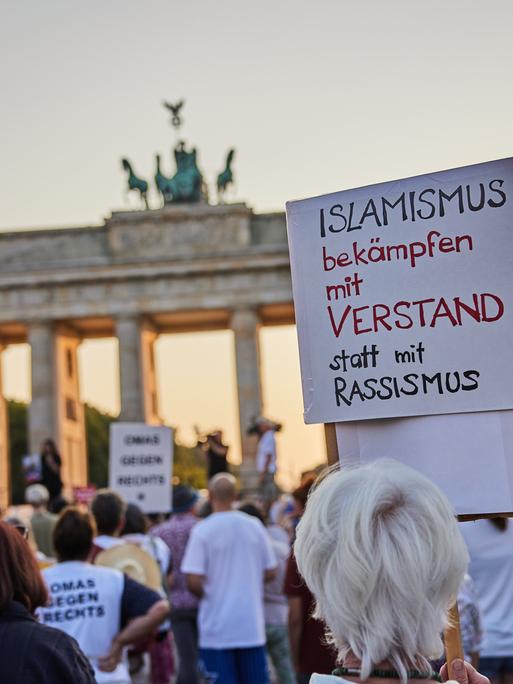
column 380, row 550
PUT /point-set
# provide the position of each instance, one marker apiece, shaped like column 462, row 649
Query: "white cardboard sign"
column 403, row 295
column 467, row 455
column 140, row 465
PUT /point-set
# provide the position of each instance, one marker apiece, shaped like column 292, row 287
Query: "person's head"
column 58, row 504
column 108, row 509
column 184, row 498
column 20, row 578
column 300, row 495
column 252, row 509
column 380, row 549
column 222, row 490
column 48, row 446
column 260, row 425
column 37, row 496
column 73, row 535
column 135, row 521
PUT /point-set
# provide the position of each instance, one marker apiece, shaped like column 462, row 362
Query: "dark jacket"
column 31, row 653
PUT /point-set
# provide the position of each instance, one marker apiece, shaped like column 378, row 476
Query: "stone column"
column 244, row 324
column 42, row 414
column 4, row 448
column 56, row 410
column 71, row 435
column 137, row 379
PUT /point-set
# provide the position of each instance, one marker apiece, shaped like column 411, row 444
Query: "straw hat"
column 134, row 562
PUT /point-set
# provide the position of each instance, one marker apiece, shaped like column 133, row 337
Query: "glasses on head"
column 22, row 530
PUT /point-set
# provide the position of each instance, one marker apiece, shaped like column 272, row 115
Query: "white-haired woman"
column 380, row 549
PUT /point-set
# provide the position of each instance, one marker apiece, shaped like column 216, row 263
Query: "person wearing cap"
column 103, row 609
column 42, row 522
column 266, row 457
column 175, row 533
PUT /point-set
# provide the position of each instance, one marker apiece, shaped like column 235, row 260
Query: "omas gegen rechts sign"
column 403, row 294
column 140, row 465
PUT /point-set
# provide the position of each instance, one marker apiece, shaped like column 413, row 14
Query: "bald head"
column 222, row 489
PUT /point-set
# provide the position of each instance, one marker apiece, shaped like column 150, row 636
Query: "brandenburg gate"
column 184, row 267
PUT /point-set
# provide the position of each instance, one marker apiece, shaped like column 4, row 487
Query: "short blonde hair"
column 380, row 549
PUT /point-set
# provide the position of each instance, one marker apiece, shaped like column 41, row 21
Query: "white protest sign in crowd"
column 403, row 295
column 140, row 465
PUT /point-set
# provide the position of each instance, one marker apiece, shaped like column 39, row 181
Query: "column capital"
column 244, row 317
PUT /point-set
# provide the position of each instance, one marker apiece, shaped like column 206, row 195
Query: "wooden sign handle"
column 453, row 645
column 330, row 436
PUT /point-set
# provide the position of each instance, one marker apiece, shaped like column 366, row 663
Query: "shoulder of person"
column 62, row 654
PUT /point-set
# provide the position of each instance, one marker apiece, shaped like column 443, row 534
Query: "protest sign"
column 403, row 295
column 32, row 468
column 84, row 494
column 468, row 455
column 140, row 465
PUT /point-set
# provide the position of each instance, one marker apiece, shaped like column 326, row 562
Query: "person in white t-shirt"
column 266, row 456
column 104, row 610
column 490, row 545
column 227, row 560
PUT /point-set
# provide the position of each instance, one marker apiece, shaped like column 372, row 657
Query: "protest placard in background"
column 32, row 468
column 403, row 295
column 140, row 465
column 469, row 455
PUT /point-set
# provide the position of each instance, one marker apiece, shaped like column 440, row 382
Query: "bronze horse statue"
column 225, row 178
column 136, row 183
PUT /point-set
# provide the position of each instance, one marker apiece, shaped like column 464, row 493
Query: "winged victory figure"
column 176, row 120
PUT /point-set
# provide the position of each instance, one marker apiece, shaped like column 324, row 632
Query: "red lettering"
column 381, row 318
column 327, row 259
column 441, row 311
column 420, row 304
column 357, row 320
column 337, row 329
column 500, row 307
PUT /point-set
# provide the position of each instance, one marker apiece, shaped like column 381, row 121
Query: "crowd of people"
column 348, row 578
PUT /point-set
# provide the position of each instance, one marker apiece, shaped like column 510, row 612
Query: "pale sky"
column 316, row 97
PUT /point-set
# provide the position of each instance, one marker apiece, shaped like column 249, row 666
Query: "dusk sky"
column 315, row 96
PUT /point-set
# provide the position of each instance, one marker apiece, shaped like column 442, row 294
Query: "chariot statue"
column 187, row 184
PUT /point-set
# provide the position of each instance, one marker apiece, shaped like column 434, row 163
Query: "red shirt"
column 314, row 654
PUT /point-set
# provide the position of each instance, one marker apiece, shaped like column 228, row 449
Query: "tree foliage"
column 189, row 465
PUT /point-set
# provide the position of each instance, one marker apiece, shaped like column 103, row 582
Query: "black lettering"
column 426, row 380
column 340, row 386
column 480, row 205
column 444, row 196
column 501, row 194
column 392, row 205
column 385, row 384
column 412, row 383
column 338, row 214
column 456, row 386
column 471, row 375
column 429, row 204
column 370, row 210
